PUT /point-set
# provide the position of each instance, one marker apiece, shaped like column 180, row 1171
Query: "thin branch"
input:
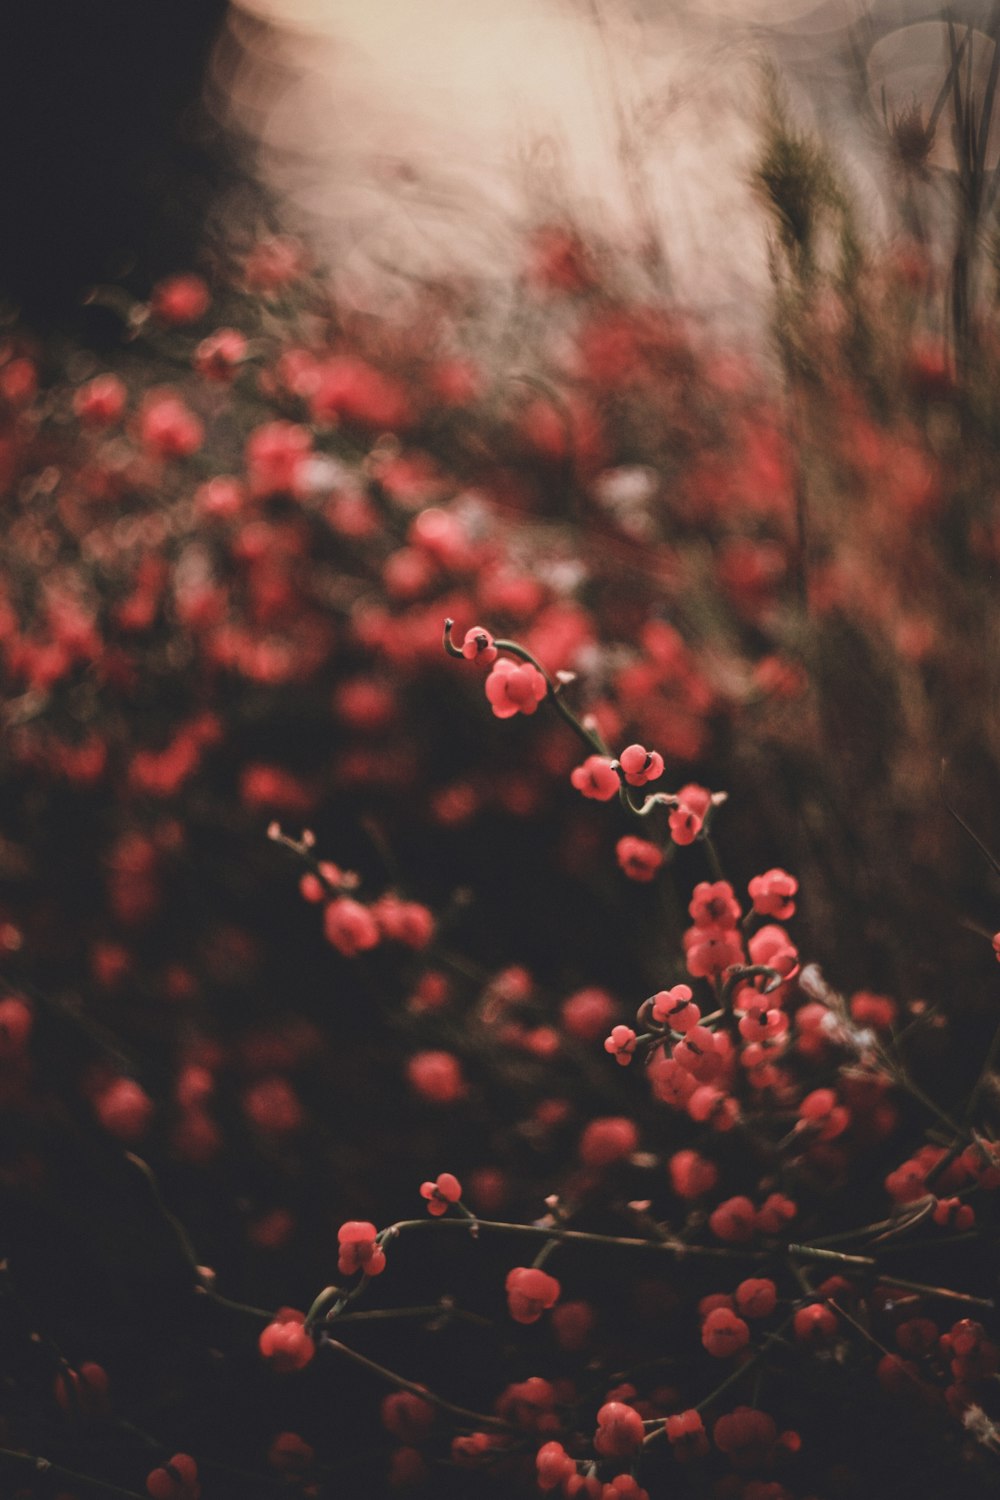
column 477, row 1418
column 989, row 98
column 944, row 1293
column 677, row 1248
column 43, row 1468
column 994, row 862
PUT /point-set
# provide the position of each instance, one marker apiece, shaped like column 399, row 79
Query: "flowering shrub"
column 696, row 1197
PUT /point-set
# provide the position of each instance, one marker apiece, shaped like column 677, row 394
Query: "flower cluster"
column 700, row 1198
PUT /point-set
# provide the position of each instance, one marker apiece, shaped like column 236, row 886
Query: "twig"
column 677, row 1248
column 479, row 1419
column 43, row 1468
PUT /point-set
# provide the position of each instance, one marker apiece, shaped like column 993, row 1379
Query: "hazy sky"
column 423, row 134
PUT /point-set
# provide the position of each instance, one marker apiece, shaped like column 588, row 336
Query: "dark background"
column 109, row 165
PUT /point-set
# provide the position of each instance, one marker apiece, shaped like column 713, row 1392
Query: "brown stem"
column 677, row 1248
column 592, row 740
column 833, row 1257
column 262, row 1313
column 945, row 1293
column 44, row 1468
column 738, row 1374
column 477, row 1418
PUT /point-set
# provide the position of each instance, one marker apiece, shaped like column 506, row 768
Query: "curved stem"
column 591, row 739
column 322, row 1304
column 714, row 862
column 945, row 1293
column 677, row 1248
column 655, row 799
column 44, row 1468
column 740, row 973
column 249, row 1311
column 180, row 1233
column 477, row 1418
column 773, row 1338
column 905, row 1081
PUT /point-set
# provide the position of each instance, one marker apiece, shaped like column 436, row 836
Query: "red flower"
column 587, row 1014
column 685, row 825
column 404, row 922
column 691, row 1175
column 218, row 356
column 472, row 1449
column 710, row 950
column 821, row 1110
column 358, row 1249
column 906, row 1183
column 733, row 1220
column 815, row 1324
column 771, row 894
column 440, row 1194
column 167, row 427
column 640, row 765
column 622, row 1487
column 686, row 1435
column 773, row 947
column 285, row 1342
column 595, row 778
column 952, row 1213
column 671, row 1083
column 723, row 1333
column 554, row 1465
column 178, row 1480
column 515, row 689
column 530, row 1292
column 101, row 401
column 758, row 1023
column 688, row 818
column 676, row 1009
column 274, row 262
column 276, row 454
column 530, row 1404
column 436, row 1077
column 638, row 858
column 608, row 1140
column 19, row 382
column 407, row 1416
column 16, row 1020
column 124, row 1109
column 572, row 1325
column 714, row 1107
column 757, row 1297
column 713, row 904
column 179, row 299
column 746, row 1436
column 774, row 1213
column 478, row 645
column 83, row 1392
column 349, row 926
column 350, row 388
column 698, row 1052
column 559, row 260
column 268, row 786
column 273, row 1105
column 621, row 1045
column 873, row 1010
column 620, row 1430
column 290, row 1454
